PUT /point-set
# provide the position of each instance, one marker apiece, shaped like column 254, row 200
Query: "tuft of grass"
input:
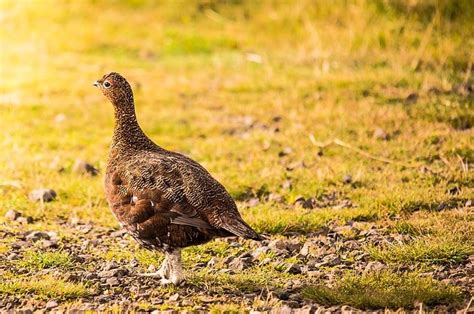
column 42, row 260
column 426, row 249
column 45, row 287
column 384, row 289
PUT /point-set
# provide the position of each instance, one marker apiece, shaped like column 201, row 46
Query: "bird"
column 165, row 200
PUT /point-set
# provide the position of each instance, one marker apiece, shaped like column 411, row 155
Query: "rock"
column 254, row 201
column 309, row 309
column 25, row 220
column 285, row 152
column 51, row 305
column 212, row 262
column 113, row 281
column 37, row 235
column 347, row 179
column 286, row 185
column 174, row 297
column 110, row 265
column 228, row 260
column 299, row 201
column 278, row 244
column 49, row 244
column 240, row 263
column 12, row 215
column 411, row 99
column 374, row 266
column 259, row 251
column 45, row 195
column 308, row 204
column 309, row 248
column 293, row 269
column 380, row 134
column 83, row 167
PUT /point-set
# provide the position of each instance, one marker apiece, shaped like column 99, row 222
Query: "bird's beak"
column 96, row 84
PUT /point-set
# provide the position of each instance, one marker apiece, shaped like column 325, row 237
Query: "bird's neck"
column 127, row 132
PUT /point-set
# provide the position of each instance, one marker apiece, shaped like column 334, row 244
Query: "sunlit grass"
column 384, row 289
column 44, row 287
column 430, row 250
column 41, row 260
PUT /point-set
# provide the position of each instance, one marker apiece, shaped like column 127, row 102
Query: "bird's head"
column 116, row 88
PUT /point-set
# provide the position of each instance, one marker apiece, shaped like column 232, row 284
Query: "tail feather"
column 240, row 228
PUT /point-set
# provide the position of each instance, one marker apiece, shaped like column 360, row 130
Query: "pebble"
column 293, row 269
column 83, row 167
column 45, row 195
column 380, row 134
column 12, row 215
column 240, row 263
column 51, row 305
column 347, row 179
column 25, row 220
column 113, row 281
column 37, row 235
column 174, row 297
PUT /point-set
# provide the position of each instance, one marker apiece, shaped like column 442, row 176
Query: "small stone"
column 83, row 167
column 113, row 281
column 347, row 179
column 308, row 203
column 37, row 235
column 380, row 134
column 240, row 263
column 299, row 200
column 273, row 197
column 254, row 201
column 12, row 215
column 51, row 305
column 45, row 195
column 411, row 99
column 174, row 297
column 293, row 269
column 286, row 185
column 374, row 266
column 285, row 152
column 212, row 262
column 259, row 251
column 25, row 220
column 49, row 244
column 110, row 265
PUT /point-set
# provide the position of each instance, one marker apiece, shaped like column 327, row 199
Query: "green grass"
column 384, row 290
column 44, row 287
column 427, row 249
column 42, row 260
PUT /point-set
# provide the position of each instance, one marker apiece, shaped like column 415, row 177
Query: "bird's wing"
column 180, row 187
column 144, row 190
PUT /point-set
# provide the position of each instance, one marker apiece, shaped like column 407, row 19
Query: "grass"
column 384, row 289
column 42, row 260
column 424, row 250
column 243, row 87
column 44, row 287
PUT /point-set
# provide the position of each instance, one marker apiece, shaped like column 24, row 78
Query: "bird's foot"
column 176, row 281
column 156, row 274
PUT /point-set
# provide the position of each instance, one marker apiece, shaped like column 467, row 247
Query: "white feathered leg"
column 176, row 273
column 163, row 272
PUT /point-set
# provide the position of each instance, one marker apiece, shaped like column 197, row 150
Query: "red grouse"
column 165, row 200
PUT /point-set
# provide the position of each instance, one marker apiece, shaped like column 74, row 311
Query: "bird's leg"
column 176, row 274
column 163, row 272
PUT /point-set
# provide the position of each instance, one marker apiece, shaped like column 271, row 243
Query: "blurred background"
column 343, row 125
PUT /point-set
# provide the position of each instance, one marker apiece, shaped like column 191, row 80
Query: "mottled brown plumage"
column 165, row 200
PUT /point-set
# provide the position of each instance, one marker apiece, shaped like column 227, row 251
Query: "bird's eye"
column 107, row 84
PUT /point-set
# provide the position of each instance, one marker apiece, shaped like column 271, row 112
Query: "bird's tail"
column 240, row 228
